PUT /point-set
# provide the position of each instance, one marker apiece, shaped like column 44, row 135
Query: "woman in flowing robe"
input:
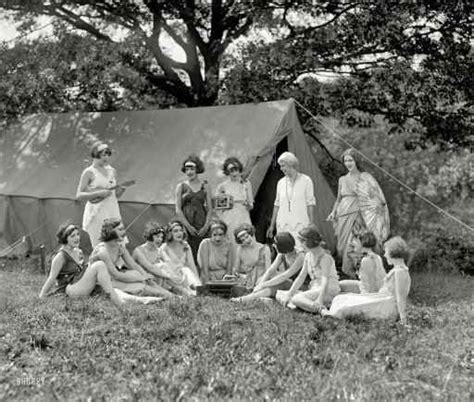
column 360, row 207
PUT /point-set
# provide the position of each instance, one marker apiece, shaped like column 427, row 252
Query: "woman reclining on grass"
column 287, row 264
column 390, row 301
column 70, row 275
column 126, row 274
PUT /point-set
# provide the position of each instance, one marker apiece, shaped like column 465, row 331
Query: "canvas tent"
column 42, row 156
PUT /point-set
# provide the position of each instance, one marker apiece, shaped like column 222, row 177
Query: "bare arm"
column 83, row 193
column 401, row 293
column 249, row 194
column 179, row 211
column 271, row 228
column 129, row 276
column 325, row 263
column 230, row 260
column 140, row 258
column 130, row 262
column 366, row 276
column 235, row 269
column 203, row 259
column 269, row 272
column 205, row 228
column 295, row 267
column 298, row 282
column 56, row 266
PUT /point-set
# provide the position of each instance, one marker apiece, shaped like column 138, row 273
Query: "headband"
column 174, row 224
column 102, row 147
column 69, row 229
column 217, row 225
column 190, row 163
column 242, row 231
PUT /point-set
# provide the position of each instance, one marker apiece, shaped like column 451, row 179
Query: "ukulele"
column 124, row 184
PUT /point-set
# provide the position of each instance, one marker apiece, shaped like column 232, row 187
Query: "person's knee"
column 98, row 267
column 297, row 299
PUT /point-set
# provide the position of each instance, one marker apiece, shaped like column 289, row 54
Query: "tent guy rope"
column 332, row 131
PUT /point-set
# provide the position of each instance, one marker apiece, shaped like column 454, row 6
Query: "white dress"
column 381, row 305
column 96, row 213
column 240, row 191
column 292, row 200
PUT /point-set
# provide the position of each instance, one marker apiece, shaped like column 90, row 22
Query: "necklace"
column 289, row 195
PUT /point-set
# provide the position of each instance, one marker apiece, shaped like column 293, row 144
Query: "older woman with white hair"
column 294, row 202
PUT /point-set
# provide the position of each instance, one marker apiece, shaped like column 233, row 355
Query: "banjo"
column 127, row 183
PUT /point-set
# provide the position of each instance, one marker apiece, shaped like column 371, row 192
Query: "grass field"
column 208, row 348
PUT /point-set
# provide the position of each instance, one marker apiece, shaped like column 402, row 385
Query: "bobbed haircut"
column 64, row 231
column 244, row 227
column 396, row 247
column 311, row 236
column 169, row 229
column 218, row 224
column 354, row 155
column 232, row 160
column 196, row 160
column 368, row 240
column 284, row 242
column 153, row 228
column 289, row 159
column 97, row 149
column 107, row 232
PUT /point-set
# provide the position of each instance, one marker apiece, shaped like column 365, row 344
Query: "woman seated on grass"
column 178, row 254
column 371, row 271
column 287, row 264
column 216, row 255
column 321, row 268
column 126, row 274
column 153, row 260
column 390, row 301
column 252, row 258
column 70, row 275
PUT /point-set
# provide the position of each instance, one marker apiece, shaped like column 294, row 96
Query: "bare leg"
column 266, row 292
column 96, row 273
column 156, row 290
column 349, row 286
column 307, row 301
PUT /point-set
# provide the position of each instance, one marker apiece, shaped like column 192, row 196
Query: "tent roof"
column 44, row 155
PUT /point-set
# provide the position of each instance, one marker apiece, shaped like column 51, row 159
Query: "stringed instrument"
column 127, row 183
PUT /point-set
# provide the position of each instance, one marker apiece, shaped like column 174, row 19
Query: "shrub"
column 443, row 251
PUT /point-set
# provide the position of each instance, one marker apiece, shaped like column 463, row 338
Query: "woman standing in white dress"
column 294, row 202
column 240, row 191
column 95, row 186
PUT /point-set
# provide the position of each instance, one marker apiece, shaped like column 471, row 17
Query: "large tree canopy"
column 406, row 60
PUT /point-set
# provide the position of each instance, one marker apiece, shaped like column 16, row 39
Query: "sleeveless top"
column 193, row 204
column 70, row 272
column 371, row 278
column 316, row 272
